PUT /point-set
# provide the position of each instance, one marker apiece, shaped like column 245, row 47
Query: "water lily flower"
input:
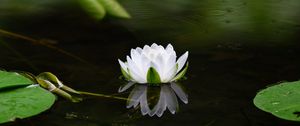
column 154, row 65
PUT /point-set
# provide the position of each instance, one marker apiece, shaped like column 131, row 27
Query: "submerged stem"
column 11, row 34
column 43, row 43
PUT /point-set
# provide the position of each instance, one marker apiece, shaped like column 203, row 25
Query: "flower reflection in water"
column 161, row 97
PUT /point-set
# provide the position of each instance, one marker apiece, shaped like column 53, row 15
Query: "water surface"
column 236, row 49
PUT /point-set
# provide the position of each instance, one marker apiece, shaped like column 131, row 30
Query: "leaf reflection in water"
column 167, row 98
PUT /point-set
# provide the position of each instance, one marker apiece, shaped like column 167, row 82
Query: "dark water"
column 236, row 49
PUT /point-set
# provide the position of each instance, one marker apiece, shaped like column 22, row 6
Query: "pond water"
column 236, row 49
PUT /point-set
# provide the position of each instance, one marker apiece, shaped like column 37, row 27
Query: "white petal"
column 160, row 49
column 146, row 49
column 170, row 62
column 133, row 55
column 136, row 58
column 134, row 71
column 123, row 65
column 132, row 65
column 170, row 50
column 146, row 63
column 154, row 46
column 169, row 47
column 159, row 63
column 169, row 75
column 181, row 61
column 139, row 50
column 165, row 56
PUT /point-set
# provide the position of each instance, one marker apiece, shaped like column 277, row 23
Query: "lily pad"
column 281, row 100
column 13, row 79
column 93, row 8
column 114, row 8
column 19, row 101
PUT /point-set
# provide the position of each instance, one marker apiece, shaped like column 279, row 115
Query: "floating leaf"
column 281, row 100
column 114, row 8
column 19, row 101
column 12, row 79
column 93, row 8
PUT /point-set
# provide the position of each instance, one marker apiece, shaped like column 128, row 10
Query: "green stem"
column 43, row 43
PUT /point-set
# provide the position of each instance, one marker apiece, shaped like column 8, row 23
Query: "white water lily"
column 154, row 65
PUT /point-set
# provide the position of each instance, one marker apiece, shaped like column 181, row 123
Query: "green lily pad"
column 19, row 101
column 93, row 8
column 114, row 8
column 98, row 9
column 281, row 100
column 13, row 79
